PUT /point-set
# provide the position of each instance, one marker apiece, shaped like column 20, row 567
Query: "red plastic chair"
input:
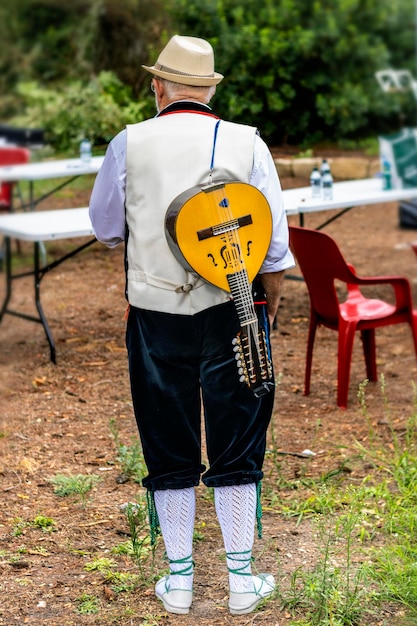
column 10, row 156
column 321, row 264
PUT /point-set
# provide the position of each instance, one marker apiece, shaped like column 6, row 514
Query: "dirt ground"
column 56, row 419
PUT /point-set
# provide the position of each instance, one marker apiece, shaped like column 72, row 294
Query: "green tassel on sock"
column 259, row 509
column 154, row 526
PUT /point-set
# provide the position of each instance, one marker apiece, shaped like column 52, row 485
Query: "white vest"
column 165, row 156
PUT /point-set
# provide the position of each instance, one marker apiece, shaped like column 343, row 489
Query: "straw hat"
column 186, row 60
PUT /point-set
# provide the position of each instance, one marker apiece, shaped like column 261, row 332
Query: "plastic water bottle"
column 386, row 174
column 315, row 182
column 327, row 184
column 324, row 167
column 85, row 150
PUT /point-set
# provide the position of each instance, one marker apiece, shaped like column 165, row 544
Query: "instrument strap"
column 216, row 128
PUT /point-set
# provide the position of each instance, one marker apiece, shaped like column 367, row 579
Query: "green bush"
column 301, row 71
column 97, row 110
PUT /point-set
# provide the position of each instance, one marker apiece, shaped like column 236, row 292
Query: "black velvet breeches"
column 179, row 363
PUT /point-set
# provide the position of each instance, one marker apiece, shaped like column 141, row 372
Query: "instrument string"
column 238, row 277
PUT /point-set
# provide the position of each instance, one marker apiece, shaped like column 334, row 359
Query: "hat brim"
column 186, row 79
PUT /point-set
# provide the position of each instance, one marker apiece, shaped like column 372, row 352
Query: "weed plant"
column 143, row 554
column 130, row 457
column 102, row 564
column 46, row 524
column 79, row 484
column 139, row 547
column 123, row 581
column 88, row 604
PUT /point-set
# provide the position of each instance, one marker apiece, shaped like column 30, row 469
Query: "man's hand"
column 272, row 284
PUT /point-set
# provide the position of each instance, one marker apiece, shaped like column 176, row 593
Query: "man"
column 180, row 328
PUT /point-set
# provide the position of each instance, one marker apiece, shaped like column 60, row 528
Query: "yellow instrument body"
column 222, row 232
column 220, row 229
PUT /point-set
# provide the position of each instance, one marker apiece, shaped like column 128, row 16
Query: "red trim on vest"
column 190, row 111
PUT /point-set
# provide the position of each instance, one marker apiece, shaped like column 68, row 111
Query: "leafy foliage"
column 302, row 72
column 97, row 110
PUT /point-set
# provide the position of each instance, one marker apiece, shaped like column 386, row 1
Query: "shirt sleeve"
column 107, row 202
column 265, row 178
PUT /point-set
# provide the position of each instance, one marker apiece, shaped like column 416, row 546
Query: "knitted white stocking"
column 176, row 512
column 236, row 511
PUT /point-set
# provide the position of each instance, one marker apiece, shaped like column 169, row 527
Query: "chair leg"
column 413, row 324
column 344, row 359
column 369, row 351
column 309, row 358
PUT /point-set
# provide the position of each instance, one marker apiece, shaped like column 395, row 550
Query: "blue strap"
column 216, row 128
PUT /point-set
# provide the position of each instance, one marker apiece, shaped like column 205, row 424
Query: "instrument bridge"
column 224, row 227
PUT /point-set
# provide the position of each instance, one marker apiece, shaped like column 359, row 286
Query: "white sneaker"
column 174, row 600
column 246, row 602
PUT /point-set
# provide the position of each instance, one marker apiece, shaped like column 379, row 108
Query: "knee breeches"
column 178, row 365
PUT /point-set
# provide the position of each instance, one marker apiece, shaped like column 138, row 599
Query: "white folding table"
column 68, row 169
column 43, row 226
column 38, row 227
column 346, row 195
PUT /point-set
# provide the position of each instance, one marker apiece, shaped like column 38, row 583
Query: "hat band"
column 169, row 70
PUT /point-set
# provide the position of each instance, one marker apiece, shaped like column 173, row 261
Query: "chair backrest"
column 10, row 156
column 13, row 155
column 321, row 263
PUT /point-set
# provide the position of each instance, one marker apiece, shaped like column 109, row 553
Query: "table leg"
column 8, row 268
column 38, row 273
column 32, row 204
column 34, row 201
column 332, row 219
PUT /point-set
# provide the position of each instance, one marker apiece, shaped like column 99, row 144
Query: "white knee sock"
column 176, row 513
column 236, row 511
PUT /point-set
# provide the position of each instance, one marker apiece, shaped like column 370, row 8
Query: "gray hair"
column 177, row 91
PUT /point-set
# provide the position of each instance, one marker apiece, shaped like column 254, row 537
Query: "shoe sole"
column 178, row 610
column 246, row 609
column 243, row 610
column 174, row 609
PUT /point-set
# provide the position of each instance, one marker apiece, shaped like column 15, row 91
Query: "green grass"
column 365, row 532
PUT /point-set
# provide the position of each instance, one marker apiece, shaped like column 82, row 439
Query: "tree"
column 301, row 71
column 121, row 36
